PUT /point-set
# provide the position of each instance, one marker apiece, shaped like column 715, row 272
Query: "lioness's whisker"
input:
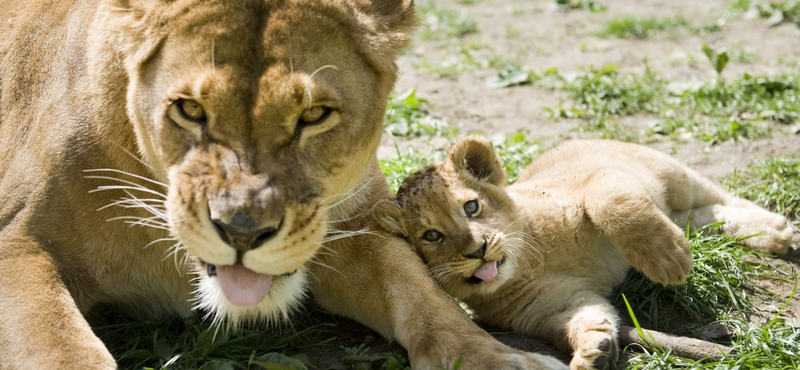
column 318, row 263
column 127, row 174
column 160, row 240
column 346, row 234
column 122, row 187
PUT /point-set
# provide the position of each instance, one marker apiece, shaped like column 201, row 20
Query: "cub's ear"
column 389, row 216
column 476, row 156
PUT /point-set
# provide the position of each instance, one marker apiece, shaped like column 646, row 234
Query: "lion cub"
column 543, row 255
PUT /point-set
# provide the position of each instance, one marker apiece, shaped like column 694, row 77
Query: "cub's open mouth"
column 487, row 272
column 240, row 285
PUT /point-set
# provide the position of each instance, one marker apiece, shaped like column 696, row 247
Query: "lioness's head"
column 259, row 115
column 460, row 219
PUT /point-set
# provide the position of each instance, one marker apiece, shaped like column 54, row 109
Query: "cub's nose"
column 478, row 253
column 244, row 233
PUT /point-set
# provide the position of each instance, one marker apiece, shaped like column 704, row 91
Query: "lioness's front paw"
column 486, row 354
column 598, row 351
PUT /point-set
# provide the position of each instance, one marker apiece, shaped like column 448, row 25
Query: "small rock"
column 717, row 332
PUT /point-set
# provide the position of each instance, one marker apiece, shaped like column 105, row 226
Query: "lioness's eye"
column 432, row 236
column 191, row 110
column 314, row 115
column 472, row 208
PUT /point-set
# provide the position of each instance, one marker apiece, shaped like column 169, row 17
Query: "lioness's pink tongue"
column 487, row 272
column 242, row 286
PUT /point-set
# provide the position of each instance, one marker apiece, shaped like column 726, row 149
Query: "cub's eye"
column 432, row 236
column 472, row 208
column 191, row 110
column 314, row 115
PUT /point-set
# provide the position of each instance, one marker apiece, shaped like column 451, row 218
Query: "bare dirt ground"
column 535, row 35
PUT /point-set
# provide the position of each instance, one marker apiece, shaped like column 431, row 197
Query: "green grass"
column 443, row 24
column 194, row 344
column 587, row 5
column 630, row 27
column 773, row 183
column 710, row 111
column 407, row 115
column 719, row 285
column 775, row 12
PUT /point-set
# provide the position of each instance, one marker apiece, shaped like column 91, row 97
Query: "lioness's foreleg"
column 41, row 326
column 379, row 281
column 585, row 326
column 649, row 240
column 697, row 201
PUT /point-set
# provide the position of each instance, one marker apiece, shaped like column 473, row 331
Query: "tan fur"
column 568, row 231
column 112, row 187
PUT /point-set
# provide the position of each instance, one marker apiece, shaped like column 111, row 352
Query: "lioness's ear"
column 138, row 19
column 389, row 216
column 477, row 157
column 398, row 15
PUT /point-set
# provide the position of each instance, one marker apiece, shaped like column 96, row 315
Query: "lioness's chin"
column 285, row 295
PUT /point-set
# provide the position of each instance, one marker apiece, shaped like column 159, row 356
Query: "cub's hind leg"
column 698, row 201
column 627, row 214
column 763, row 230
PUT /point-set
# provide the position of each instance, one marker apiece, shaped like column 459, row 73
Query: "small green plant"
column 397, row 168
column 588, row 5
column 712, row 112
column 442, row 24
column 516, row 151
column 358, row 357
column 406, row 115
column 629, row 27
column 717, row 57
column 461, row 59
column 775, row 12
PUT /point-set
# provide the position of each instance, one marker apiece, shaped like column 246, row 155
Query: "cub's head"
column 258, row 115
column 459, row 218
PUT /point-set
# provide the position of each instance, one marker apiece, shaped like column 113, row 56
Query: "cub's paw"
column 663, row 255
column 598, row 351
column 772, row 233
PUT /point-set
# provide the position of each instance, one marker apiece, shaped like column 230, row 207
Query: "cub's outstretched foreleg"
column 650, row 241
column 578, row 321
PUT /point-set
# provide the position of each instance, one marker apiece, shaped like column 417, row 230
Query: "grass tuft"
column 587, row 5
column 773, row 183
column 630, row 27
column 440, row 24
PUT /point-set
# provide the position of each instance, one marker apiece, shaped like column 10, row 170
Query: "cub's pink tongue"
column 487, row 272
column 242, row 286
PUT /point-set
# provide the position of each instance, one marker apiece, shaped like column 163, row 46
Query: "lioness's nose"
column 244, row 233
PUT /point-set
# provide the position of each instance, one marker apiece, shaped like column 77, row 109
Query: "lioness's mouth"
column 240, row 285
column 487, row 272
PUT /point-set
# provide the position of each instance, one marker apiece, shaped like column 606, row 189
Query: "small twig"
column 690, row 348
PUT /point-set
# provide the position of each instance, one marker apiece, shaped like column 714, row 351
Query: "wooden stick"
column 690, row 348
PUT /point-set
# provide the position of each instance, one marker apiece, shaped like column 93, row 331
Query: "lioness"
column 543, row 255
column 241, row 135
